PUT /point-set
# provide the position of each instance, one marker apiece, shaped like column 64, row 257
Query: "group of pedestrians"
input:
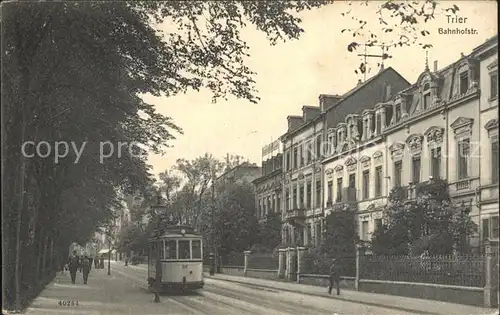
column 83, row 264
column 77, row 263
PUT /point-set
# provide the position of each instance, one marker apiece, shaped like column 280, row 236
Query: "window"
column 339, row 189
column 301, row 152
column 294, row 196
column 318, row 147
column 318, row 193
column 196, row 249
column 494, row 160
column 378, row 224
column 259, row 213
column 464, row 82
column 184, row 251
column 436, row 162
column 171, row 249
column 162, row 249
column 379, row 124
column 264, row 210
column 309, row 233
column 490, row 228
column 366, row 184
column 364, row 230
column 288, row 164
column 398, row 172
column 427, row 101
column 415, row 170
column 463, row 158
column 317, row 230
column 309, row 148
column 378, row 181
column 301, row 196
column 352, row 180
column 330, row 191
column 287, row 199
column 366, row 131
column 493, row 85
column 278, row 204
column 397, row 112
column 295, row 157
column 309, row 194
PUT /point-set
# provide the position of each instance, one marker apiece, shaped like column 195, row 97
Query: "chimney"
column 326, row 101
column 435, row 66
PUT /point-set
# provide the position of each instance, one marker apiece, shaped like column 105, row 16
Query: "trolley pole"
column 214, row 249
column 158, row 262
column 157, row 285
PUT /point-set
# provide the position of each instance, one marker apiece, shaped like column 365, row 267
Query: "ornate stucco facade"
column 354, row 148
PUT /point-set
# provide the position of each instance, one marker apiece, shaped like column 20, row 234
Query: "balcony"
column 296, row 215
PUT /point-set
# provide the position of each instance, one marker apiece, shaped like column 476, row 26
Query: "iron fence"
column 321, row 265
column 263, row 261
column 443, row 269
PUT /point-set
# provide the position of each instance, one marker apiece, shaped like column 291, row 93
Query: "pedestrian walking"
column 73, row 264
column 85, row 269
column 334, row 277
column 96, row 262
column 91, row 259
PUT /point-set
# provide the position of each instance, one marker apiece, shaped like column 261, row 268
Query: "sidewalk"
column 103, row 294
column 403, row 304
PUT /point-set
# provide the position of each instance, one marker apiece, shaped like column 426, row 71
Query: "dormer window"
column 426, row 92
column 464, row 82
column 397, row 112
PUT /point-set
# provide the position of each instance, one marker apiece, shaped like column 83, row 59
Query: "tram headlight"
column 183, row 231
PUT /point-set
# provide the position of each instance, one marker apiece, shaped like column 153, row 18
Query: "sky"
column 293, row 74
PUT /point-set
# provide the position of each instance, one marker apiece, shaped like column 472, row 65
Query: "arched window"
column 426, row 96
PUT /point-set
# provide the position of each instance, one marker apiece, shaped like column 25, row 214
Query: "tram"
column 181, row 259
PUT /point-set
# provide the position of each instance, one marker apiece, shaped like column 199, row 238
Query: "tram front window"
column 171, row 249
column 196, row 245
column 184, row 250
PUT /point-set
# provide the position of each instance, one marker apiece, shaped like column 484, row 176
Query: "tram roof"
column 177, row 230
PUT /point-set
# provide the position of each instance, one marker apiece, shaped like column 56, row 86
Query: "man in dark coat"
column 96, row 262
column 91, row 259
column 85, row 269
column 334, row 277
column 73, row 265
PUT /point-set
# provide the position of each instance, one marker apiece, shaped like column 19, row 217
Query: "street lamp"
column 110, row 249
column 158, row 209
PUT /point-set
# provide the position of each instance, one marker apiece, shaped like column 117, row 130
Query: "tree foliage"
column 236, row 226
column 430, row 221
column 270, row 231
column 74, row 71
column 399, row 24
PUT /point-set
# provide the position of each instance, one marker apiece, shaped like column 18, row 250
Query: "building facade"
column 306, row 142
column 268, row 186
column 354, row 148
column 443, row 126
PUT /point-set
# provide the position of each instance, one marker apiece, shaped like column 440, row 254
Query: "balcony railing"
column 297, row 212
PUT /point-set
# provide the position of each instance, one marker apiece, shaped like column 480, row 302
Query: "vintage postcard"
column 250, row 157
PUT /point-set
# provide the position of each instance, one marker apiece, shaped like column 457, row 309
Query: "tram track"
column 190, row 303
column 250, row 300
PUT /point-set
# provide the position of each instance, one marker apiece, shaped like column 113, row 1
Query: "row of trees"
column 73, row 72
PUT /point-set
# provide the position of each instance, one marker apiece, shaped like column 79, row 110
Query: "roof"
column 344, row 98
